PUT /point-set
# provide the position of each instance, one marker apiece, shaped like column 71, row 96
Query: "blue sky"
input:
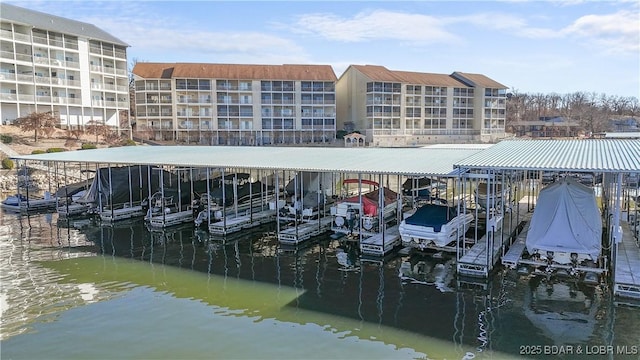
column 530, row 46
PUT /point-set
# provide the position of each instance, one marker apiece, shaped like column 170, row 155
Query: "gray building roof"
column 596, row 155
column 40, row 20
column 397, row 161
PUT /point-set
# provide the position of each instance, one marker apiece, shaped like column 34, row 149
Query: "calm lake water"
column 81, row 290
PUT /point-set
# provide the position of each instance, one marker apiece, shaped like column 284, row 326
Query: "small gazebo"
column 354, row 140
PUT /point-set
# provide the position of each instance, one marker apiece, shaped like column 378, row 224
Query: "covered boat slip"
column 366, row 163
column 608, row 161
column 518, row 164
column 481, row 257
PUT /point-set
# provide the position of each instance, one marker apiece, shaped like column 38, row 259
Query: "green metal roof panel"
column 598, row 155
column 402, row 161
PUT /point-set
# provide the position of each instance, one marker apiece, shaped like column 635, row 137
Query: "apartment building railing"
column 233, row 88
column 153, row 87
column 22, row 37
column 383, row 114
column 399, row 132
column 193, row 101
column 317, row 89
column 108, row 70
column 317, row 102
column 492, row 131
column 277, row 102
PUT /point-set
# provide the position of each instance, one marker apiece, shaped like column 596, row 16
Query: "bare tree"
column 97, row 128
column 38, row 122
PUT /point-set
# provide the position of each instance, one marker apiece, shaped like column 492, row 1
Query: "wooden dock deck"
column 512, row 257
column 122, row 213
column 304, row 231
column 476, row 262
column 374, row 245
column 626, row 282
column 171, row 219
column 237, row 223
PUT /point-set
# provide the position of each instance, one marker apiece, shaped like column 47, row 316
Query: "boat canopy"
column 566, row 219
column 370, row 200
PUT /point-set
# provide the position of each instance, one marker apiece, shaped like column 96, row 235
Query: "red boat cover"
column 370, row 200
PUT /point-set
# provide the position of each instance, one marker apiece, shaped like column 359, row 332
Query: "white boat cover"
column 566, row 219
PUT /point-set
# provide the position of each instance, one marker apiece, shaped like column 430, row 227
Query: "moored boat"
column 434, row 225
column 361, row 212
column 566, row 228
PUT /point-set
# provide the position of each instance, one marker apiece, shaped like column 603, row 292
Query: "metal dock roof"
column 397, row 161
column 597, row 155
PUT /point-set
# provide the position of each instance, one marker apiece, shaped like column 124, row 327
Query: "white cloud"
column 618, row 32
column 374, row 25
column 160, row 35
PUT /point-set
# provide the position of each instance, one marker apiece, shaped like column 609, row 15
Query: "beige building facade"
column 400, row 108
column 235, row 104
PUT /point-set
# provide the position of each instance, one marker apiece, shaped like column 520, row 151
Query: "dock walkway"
column 627, row 276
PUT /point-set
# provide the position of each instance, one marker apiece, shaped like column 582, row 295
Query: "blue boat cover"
column 432, row 215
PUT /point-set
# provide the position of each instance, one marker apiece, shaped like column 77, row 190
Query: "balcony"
column 56, row 42
column 39, row 39
column 7, row 75
column 121, row 54
column 8, row 97
column 23, row 57
column 43, row 80
column 7, row 55
column 26, row 98
column 25, row 78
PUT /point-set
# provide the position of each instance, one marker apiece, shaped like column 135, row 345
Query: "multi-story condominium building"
column 401, row 108
column 70, row 68
column 226, row 104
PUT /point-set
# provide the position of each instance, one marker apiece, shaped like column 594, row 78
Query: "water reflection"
column 30, row 291
column 407, row 301
column 563, row 311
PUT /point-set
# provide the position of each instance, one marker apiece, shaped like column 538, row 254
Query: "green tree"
column 38, row 122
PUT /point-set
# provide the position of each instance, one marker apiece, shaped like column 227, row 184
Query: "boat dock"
column 234, row 224
column 294, row 235
column 73, row 209
column 626, row 282
column 381, row 244
column 512, row 258
column 475, row 261
column 31, row 205
column 171, row 219
column 124, row 213
column 518, row 174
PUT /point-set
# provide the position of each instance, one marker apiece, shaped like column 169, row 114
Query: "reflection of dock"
column 230, row 225
column 294, row 235
column 626, row 282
